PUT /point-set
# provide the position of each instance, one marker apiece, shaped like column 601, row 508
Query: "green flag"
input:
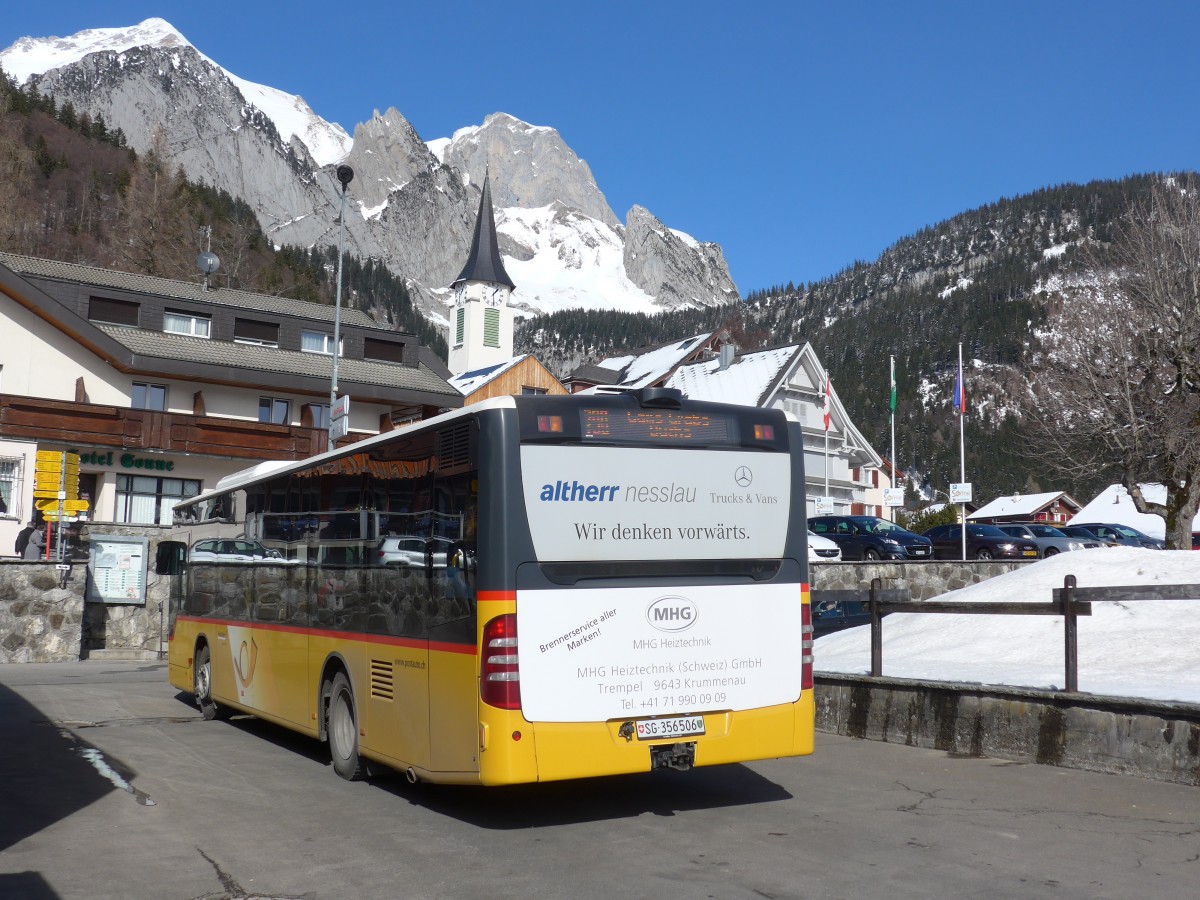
column 892, row 403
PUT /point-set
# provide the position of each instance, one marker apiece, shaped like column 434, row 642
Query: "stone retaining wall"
column 41, row 620
column 1117, row 735
column 925, row 580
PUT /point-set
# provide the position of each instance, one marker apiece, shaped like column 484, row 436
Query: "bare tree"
column 1118, row 386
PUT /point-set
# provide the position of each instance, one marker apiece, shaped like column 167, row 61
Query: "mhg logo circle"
column 672, row 613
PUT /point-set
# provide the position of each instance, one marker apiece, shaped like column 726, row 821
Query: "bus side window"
column 168, row 558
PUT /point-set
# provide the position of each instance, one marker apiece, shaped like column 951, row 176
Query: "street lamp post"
column 345, row 175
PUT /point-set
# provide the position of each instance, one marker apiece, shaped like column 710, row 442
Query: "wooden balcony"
column 93, row 425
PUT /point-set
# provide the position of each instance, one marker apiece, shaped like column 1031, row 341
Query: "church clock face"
column 496, row 297
column 460, row 295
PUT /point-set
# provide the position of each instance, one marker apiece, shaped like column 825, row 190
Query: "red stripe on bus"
column 497, row 596
column 387, row 639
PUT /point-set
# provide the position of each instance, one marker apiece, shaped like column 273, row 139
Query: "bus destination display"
column 668, row 426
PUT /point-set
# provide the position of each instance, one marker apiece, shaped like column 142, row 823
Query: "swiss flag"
column 827, row 401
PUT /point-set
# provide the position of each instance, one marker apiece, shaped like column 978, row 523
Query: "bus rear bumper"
column 513, row 750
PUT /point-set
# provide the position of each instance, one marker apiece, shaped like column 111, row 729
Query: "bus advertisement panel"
column 615, row 503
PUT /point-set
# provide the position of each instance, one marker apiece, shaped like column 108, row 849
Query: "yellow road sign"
column 49, row 461
column 76, row 506
column 56, row 483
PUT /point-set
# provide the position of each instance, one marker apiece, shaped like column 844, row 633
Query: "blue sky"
column 797, row 135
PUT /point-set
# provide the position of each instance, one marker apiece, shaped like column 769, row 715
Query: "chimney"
column 727, row 351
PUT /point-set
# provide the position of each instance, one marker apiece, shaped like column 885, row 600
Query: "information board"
column 117, row 568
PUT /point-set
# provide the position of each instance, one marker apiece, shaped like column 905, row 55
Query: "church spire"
column 484, row 262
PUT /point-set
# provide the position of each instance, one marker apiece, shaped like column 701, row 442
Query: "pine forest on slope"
column 991, row 278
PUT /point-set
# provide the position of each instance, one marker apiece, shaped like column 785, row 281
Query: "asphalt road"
column 112, row 786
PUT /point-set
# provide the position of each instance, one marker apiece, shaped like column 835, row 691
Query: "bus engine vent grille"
column 383, row 679
column 454, row 446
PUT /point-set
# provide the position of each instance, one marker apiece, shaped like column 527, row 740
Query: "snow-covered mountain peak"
column 33, row 56
column 327, row 142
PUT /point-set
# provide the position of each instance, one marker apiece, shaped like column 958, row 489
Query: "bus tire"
column 202, row 683
column 342, row 728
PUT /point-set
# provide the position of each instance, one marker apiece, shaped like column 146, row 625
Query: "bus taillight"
column 806, row 648
column 499, row 675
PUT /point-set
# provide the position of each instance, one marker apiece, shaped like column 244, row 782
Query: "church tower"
column 481, row 324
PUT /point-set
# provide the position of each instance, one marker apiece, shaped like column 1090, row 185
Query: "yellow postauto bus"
column 527, row 589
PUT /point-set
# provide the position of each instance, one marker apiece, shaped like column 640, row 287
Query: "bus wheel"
column 202, row 683
column 342, row 728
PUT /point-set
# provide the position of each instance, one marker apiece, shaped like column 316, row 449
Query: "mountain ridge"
column 414, row 212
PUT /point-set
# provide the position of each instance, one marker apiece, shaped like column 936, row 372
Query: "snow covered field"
column 1148, row 649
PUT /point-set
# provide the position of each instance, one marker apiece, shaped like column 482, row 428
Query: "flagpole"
column 962, row 452
column 892, row 418
column 826, row 417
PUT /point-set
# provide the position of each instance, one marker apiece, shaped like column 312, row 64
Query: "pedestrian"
column 23, row 540
column 37, row 543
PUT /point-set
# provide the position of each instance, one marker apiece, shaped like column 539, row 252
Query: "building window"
column 386, row 351
column 315, row 415
column 144, row 500
column 460, row 318
column 491, row 328
column 10, row 486
column 528, row 389
column 274, row 411
column 316, row 342
column 149, row 396
column 186, row 323
column 112, row 312
column 250, row 331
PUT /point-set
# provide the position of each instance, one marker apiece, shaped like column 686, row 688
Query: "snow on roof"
column 1144, row 649
column 1016, row 505
column 469, row 382
column 744, row 381
column 1114, row 505
column 642, row 369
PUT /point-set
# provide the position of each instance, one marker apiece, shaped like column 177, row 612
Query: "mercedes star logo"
column 743, row 476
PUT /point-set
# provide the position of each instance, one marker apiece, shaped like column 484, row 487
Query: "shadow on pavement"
column 44, row 778
column 589, row 800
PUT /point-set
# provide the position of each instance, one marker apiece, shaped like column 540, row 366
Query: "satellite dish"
column 208, row 263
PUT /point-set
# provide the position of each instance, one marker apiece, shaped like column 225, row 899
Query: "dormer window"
column 112, row 312
column 317, row 342
column 251, row 331
column 176, row 322
column 386, row 351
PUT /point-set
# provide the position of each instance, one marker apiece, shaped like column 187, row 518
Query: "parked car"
column 232, row 550
column 1049, row 540
column 1085, row 533
column 821, row 549
column 983, row 542
column 870, row 537
column 409, row 551
column 1124, row 535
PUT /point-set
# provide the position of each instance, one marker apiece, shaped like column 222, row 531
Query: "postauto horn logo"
column 672, row 613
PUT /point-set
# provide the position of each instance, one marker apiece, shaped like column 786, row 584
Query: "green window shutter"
column 491, row 328
column 459, row 326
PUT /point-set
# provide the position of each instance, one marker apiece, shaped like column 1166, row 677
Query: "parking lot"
column 112, row 786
